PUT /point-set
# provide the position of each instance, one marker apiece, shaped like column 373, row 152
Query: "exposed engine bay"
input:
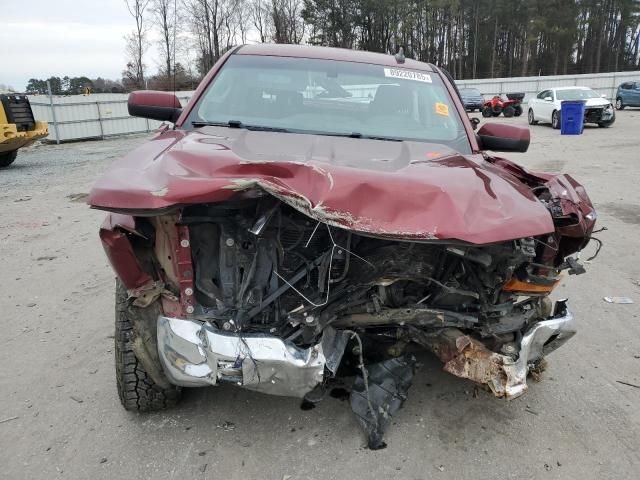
column 281, row 303
column 269, row 269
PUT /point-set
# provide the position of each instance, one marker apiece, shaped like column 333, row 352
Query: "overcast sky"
column 41, row 38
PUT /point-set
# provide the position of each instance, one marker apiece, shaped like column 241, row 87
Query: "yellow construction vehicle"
column 18, row 128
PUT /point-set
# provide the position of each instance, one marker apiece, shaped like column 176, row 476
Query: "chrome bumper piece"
column 505, row 376
column 197, row 354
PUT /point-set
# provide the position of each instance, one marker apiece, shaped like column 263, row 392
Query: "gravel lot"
column 60, row 416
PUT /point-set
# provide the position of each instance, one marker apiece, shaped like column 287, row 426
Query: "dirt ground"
column 60, row 416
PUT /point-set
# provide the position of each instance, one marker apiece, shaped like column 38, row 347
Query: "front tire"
column 607, row 124
column 7, row 158
column 555, row 119
column 136, row 389
column 531, row 117
column 619, row 104
column 487, row 112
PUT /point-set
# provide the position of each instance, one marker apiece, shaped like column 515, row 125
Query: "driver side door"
column 634, row 95
column 545, row 106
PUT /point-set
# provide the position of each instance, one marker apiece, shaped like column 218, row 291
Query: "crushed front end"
column 257, row 294
column 599, row 114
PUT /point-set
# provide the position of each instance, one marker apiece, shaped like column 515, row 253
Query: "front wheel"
column 531, row 117
column 137, row 390
column 7, row 158
column 555, row 119
column 486, row 112
column 606, row 124
column 619, row 104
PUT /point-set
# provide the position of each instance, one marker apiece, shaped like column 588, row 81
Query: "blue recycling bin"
column 572, row 117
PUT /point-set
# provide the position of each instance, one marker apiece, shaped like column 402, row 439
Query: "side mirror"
column 504, row 138
column 155, row 105
column 548, row 99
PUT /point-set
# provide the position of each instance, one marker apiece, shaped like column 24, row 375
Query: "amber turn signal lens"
column 515, row 285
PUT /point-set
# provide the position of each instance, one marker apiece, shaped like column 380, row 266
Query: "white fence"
column 105, row 114
column 603, row 83
column 98, row 115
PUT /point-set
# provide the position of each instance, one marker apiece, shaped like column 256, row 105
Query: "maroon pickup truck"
column 316, row 215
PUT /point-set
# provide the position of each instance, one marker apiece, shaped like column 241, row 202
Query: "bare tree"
column 164, row 18
column 261, row 18
column 287, row 21
column 136, row 40
column 242, row 15
column 214, row 25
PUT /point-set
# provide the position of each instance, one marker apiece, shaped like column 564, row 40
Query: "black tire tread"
column 136, row 389
column 7, row 158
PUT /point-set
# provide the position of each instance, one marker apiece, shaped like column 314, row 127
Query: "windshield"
column 327, row 97
column 576, row 94
column 470, row 91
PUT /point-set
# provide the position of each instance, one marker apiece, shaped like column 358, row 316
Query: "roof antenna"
column 400, row 55
column 175, row 25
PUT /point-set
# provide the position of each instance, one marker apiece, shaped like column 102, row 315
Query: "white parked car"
column 545, row 107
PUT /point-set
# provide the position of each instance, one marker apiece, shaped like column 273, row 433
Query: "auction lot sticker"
column 407, row 75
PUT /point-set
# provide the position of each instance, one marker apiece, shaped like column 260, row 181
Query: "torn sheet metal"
column 333, row 180
column 472, row 360
column 377, row 398
column 119, row 250
column 504, row 375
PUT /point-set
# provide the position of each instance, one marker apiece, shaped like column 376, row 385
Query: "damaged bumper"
column 505, row 376
column 196, row 354
column 599, row 114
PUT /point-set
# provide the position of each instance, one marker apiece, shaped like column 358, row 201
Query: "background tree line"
column 74, row 85
column 470, row 38
column 487, row 38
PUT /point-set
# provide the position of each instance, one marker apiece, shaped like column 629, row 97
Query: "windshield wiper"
column 264, row 128
column 357, row 135
column 239, row 124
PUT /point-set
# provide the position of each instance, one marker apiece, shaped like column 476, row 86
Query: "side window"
column 627, row 86
column 543, row 94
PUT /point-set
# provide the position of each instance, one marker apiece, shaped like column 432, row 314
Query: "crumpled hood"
column 401, row 190
column 597, row 102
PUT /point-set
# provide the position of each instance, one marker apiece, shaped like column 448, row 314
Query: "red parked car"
column 315, row 213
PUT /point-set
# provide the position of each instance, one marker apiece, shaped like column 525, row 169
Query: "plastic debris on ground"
column 622, row 300
column 377, row 399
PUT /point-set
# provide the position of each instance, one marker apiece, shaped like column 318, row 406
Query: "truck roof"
column 327, row 53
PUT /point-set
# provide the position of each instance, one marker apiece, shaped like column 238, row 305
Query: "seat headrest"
column 390, row 100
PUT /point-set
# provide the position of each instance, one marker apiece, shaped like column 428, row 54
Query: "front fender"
column 114, row 235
